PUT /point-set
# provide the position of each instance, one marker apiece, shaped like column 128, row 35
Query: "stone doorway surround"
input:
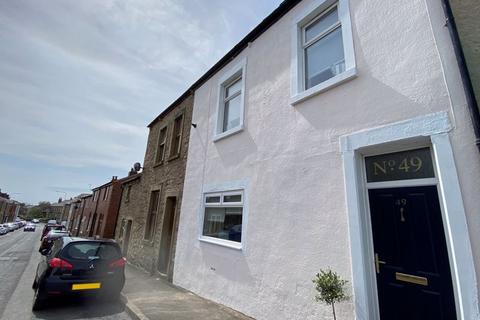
column 432, row 129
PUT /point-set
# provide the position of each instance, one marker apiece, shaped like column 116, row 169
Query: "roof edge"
column 263, row 26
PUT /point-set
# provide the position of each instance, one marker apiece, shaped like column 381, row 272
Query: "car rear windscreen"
column 91, row 250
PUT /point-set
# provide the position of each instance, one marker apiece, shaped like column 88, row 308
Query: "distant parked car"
column 35, row 221
column 49, row 238
column 12, row 226
column 76, row 266
column 3, row 230
column 29, row 227
column 52, row 222
column 49, row 227
column 7, row 227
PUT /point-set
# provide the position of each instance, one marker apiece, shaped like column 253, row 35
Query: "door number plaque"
column 404, row 165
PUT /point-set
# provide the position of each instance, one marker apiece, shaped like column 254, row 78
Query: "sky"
column 81, row 80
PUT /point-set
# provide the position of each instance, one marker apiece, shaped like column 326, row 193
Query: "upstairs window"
column 105, row 193
column 231, row 105
column 323, row 56
column 127, row 193
column 176, row 136
column 323, row 48
column 162, row 140
column 231, row 102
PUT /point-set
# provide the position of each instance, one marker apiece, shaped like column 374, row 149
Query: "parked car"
column 3, row 230
column 7, row 227
column 49, row 227
column 76, row 266
column 29, row 227
column 52, row 222
column 35, row 221
column 12, row 226
column 50, row 237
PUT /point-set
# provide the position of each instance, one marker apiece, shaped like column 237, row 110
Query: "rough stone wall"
column 167, row 177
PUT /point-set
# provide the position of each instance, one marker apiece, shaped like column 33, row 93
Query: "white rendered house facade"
column 341, row 124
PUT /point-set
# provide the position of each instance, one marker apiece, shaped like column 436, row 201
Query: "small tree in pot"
column 330, row 287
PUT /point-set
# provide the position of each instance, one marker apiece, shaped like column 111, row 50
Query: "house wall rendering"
column 284, row 163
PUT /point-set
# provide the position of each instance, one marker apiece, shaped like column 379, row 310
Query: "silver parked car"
column 3, row 230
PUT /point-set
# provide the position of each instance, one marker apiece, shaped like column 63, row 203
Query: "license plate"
column 86, row 286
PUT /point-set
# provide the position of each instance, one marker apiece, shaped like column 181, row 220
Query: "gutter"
column 472, row 103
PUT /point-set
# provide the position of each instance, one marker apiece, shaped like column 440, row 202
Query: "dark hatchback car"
column 50, row 227
column 49, row 238
column 76, row 266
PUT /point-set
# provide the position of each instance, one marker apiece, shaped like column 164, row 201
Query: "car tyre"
column 38, row 300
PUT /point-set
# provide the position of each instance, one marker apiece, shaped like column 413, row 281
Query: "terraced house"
column 150, row 203
column 336, row 134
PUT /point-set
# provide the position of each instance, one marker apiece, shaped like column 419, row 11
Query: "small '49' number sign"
column 411, row 164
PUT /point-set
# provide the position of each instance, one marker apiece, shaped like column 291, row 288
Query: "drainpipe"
column 466, row 81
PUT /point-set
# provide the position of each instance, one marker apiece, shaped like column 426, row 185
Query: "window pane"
column 214, row 199
column 233, row 198
column 223, row 223
column 231, row 114
column 177, row 134
column 324, row 59
column 321, row 25
column 233, row 88
column 89, row 250
column 152, row 213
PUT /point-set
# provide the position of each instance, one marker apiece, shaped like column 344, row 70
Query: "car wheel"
column 38, row 300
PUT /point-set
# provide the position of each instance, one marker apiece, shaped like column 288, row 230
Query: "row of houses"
column 10, row 209
column 341, row 134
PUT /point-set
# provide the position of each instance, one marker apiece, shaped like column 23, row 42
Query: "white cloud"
column 80, row 80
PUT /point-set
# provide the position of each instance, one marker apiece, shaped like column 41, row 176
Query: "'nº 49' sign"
column 411, row 164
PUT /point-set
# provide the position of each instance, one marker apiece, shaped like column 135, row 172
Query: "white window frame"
column 305, row 18
column 228, row 78
column 220, row 192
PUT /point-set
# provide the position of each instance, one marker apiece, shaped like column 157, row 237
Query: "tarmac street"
column 19, row 257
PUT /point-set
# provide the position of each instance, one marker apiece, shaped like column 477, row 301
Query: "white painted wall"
column 290, row 158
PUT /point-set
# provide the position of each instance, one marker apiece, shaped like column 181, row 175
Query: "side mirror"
column 45, row 252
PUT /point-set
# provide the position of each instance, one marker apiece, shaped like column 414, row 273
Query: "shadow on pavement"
column 80, row 308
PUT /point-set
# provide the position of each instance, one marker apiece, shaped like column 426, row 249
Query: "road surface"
column 18, row 261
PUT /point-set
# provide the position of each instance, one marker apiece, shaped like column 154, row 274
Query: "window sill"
column 158, row 164
column 148, row 243
column 221, row 242
column 176, row 156
column 324, row 86
column 228, row 133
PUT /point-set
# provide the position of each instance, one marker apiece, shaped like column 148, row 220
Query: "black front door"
column 411, row 259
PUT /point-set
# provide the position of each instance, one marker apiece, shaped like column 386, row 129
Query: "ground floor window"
column 223, row 215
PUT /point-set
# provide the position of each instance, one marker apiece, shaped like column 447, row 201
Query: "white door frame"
column 432, row 129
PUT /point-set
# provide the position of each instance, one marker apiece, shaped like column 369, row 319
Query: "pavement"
column 18, row 261
column 152, row 298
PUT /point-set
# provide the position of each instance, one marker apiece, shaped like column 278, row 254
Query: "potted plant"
column 330, row 287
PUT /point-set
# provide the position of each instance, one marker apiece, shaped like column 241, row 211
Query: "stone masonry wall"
column 167, row 177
